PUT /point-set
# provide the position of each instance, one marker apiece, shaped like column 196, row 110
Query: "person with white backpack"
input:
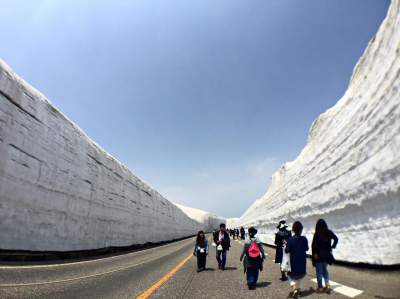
column 253, row 257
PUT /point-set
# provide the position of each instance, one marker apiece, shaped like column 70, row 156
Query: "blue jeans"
column 252, row 276
column 221, row 258
column 322, row 272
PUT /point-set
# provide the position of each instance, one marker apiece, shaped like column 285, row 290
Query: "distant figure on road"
column 253, row 254
column 297, row 246
column 237, row 233
column 322, row 253
column 201, row 251
column 242, row 233
column 223, row 242
column 281, row 238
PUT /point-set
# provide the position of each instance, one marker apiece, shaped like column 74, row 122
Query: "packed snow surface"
column 349, row 171
column 208, row 221
column 60, row 191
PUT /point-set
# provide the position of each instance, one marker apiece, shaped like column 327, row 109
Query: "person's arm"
column 243, row 252
column 288, row 246
column 335, row 239
column 276, row 239
column 206, row 243
column 195, row 249
column 261, row 250
column 314, row 248
column 306, row 244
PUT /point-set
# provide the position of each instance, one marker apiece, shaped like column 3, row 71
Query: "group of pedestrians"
column 291, row 253
column 237, row 233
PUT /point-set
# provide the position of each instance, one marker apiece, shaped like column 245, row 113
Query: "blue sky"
column 203, row 99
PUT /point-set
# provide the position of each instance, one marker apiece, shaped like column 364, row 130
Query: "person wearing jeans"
column 322, row 272
column 223, row 242
column 322, row 253
column 252, row 256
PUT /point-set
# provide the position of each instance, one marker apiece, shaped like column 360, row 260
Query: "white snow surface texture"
column 60, row 191
column 208, row 221
column 349, row 171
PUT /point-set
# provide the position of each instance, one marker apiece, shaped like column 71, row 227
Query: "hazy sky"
column 203, row 99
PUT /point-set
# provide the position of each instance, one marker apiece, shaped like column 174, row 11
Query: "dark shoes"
column 251, row 287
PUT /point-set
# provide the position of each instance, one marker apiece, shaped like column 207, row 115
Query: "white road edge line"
column 342, row 289
column 93, row 260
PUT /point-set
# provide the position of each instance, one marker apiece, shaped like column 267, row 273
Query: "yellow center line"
column 163, row 280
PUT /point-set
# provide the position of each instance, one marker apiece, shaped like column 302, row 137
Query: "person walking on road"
column 242, row 233
column 253, row 257
column 223, row 242
column 201, row 251
column 322, row 253
column 297, row 246
column 281, row 238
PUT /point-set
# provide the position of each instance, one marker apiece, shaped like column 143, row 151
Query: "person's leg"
column 318, row 270
column 198, row 261
column 203, row 261
column 219, row 259
column 325, row 275
column 300, row 284
column 223, row 261
column 251, row 277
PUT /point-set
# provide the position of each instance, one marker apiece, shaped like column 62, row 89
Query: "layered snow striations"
column 349, row 171
column 60, row 191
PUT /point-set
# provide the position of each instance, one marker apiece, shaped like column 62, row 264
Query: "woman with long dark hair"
column 322, row 253
column 201, row 251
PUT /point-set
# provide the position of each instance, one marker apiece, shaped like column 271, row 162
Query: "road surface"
column 168, row 272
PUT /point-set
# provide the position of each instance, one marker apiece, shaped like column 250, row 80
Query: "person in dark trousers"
column 201, row 251
column 297, row 246
column 281, row 238
column 253, row 256
column 322, row 253
column 242, row 233
column 223, row 242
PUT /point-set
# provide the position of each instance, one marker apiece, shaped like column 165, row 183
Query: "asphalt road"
column 129, row 275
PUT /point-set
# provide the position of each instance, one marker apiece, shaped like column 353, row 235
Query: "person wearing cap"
column 252, row 256
column 281, row 238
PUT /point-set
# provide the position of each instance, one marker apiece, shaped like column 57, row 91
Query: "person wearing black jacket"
column 322, row 253
column 223, row 242
column 281, row 238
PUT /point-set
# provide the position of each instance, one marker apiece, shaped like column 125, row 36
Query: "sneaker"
column 320, row 290
column 296, row 294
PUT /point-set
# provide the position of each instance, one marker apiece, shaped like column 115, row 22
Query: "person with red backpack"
column 253, row 254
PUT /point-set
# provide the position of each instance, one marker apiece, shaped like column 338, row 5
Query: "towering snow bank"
column 349, row 171
column 208, row 221
column 60, row 191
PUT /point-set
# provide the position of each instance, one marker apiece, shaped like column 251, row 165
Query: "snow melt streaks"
column 349, row 171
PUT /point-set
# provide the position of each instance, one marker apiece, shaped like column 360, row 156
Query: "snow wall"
column 349, row 171
column 59, row 191
column 232, row 222
column 208, row 221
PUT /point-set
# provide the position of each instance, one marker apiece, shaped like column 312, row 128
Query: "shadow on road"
column 230, row 268
column 264, row 284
